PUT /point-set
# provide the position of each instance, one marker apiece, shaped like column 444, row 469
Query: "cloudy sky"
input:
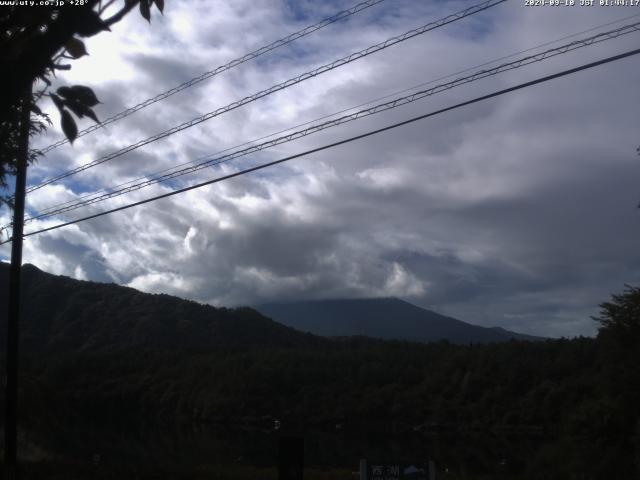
column 518, row 212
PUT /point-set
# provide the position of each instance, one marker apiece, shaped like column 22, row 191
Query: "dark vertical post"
column 291, row 458
column 11, row 386
column 363, row 469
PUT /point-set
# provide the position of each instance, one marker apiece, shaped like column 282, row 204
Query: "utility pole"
column 11, row 380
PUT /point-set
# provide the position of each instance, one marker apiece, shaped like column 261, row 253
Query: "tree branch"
column 102, row 8
column 129, row 5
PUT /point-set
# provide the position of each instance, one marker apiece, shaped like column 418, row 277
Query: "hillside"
column 60, row 313
column 111, row 362
column 385, row 318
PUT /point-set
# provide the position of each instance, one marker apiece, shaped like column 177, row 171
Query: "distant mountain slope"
column 519, row 336
column 60, row 313
column 386, row 318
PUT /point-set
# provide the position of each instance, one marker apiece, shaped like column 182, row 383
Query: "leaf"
column 81, row 110
column 69, row 126
column 90, row 24
column 160, row 5
column 145, row 10
column 76, row 48
column 84, row 95
column 92, row 115
column 35, row 109
column 57, row 101
column 79, row 93
column 64, row 92
column 76, row 107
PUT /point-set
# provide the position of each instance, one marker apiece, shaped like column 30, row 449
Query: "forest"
column 573, row 402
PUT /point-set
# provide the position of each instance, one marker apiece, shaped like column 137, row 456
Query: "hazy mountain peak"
column 385, row 317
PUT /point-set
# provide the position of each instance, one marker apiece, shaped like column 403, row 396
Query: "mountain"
column 62, row 314
column 519, row 336
column 386, row 318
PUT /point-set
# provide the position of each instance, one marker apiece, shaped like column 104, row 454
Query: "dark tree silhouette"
column 620, row 318
column 36, row 41
column 619, row 338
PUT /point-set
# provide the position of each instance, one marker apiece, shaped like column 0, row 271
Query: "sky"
column 519, row 212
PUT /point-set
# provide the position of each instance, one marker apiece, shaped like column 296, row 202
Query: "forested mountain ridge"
column 63, row 314
column 385, row 318
column 60, row 314
column 518, row 336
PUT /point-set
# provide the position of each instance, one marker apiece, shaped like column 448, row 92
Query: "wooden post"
column 11, row 385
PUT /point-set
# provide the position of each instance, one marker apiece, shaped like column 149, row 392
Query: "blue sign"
column 397, row 471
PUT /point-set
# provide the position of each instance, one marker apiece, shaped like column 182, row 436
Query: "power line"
column 293, row 81
column 222, row 68
column 70, row 206
column 348, row 140
column 280, row 86
column 430, row 82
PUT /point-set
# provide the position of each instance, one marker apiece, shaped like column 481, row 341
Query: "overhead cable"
column 278, row 87
column 205, row 163
column 222, row 68
column 342, row 142
column 323, row 117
